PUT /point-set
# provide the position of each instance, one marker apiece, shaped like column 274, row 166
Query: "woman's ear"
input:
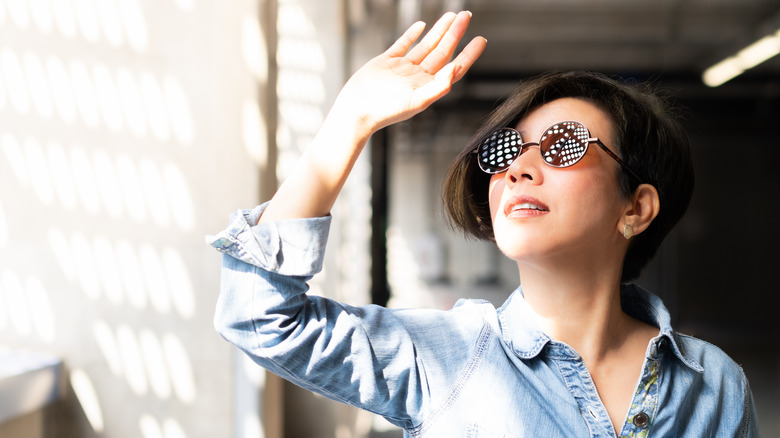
column 642, row 209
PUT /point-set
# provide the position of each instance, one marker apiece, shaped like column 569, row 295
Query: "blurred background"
column 130, row 129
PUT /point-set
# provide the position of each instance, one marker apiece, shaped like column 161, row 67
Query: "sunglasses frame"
column 523, row 145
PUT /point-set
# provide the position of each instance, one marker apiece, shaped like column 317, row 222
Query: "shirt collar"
column 520, row 331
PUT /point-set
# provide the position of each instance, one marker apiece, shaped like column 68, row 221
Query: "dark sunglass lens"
column 563, row 144
column 498, row 151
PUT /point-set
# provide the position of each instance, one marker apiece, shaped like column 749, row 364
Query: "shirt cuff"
column 288, row 247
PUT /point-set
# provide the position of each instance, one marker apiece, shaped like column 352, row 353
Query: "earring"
column 628, row 231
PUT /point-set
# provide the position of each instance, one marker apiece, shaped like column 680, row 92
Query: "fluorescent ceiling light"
column 745, row 59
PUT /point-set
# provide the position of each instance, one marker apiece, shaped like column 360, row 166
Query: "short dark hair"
column 647, row 134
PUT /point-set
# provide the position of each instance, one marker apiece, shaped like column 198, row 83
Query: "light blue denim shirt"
column 472, row 371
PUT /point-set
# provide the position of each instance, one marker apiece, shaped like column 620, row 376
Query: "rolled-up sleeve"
column 293, row 247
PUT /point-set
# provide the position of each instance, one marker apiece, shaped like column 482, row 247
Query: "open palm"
column 401, row 82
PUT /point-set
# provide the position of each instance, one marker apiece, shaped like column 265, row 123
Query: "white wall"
column 129, row 129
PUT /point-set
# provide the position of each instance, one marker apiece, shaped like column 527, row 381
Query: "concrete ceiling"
column 643, row 38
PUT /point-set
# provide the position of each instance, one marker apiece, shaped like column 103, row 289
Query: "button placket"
column 581, row 386
column 645, row 401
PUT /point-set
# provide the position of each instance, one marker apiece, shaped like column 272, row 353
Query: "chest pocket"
column 477, row 431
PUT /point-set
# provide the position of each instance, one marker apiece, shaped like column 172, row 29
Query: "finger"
column 431, row 39
column 443, row 51
column 469, row 55
column 402, row 44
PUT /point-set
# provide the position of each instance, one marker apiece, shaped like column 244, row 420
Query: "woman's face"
column 545, row 213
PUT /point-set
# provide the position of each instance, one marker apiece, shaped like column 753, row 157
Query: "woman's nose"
column 526, row 166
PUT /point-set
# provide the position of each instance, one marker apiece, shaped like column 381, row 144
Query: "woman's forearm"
column 313, row 186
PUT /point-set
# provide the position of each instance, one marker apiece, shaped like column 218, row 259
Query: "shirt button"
column 641, row 420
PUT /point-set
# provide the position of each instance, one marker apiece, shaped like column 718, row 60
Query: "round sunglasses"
column 562, row 145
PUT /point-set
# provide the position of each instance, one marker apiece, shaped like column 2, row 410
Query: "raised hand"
column 394, row 86
column 401, row 82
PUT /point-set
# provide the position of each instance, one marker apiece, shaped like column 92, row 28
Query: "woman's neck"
column 580, row 308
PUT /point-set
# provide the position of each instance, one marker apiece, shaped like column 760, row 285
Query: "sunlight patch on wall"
column 156, row 369
column 13, row 153
column 151, row 265
column 61, row 88
column 179, row 196
column 179, row 111
column 87, row 20
column 86, row 184
column 107, row 343
column 130, row 95
column 3, row 228
column 253, row 427
column 18, row 311
column 132, row 276
column 108, row 270
column 2, row 92
column 15, row 81
column 108, row 97
column 255, row 133
column 154, row 106
column 41, row 311
column 180, row 367
column 88, row 399
column 41, row 15
column 108, row 184
column 185, row 5
column 254, row 374
column 86, row 103
column 130, row 352
column 179, row 283
column 151, row 428
column 134, row 24
column 254, row 49
column 111, row 22
column 17, row 12
column 62, row 176
column 152, row 182
column 64, row 18
column 86, row 266
column 62, row 253
column 28, row 308
column 131, row 187
column 40, row 177
column 39, row 88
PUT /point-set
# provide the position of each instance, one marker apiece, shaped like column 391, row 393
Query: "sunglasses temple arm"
column 615, row 157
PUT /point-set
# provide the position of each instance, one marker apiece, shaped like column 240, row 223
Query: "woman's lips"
column 524, row 206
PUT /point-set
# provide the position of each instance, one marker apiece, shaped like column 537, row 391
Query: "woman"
column 577, row 178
